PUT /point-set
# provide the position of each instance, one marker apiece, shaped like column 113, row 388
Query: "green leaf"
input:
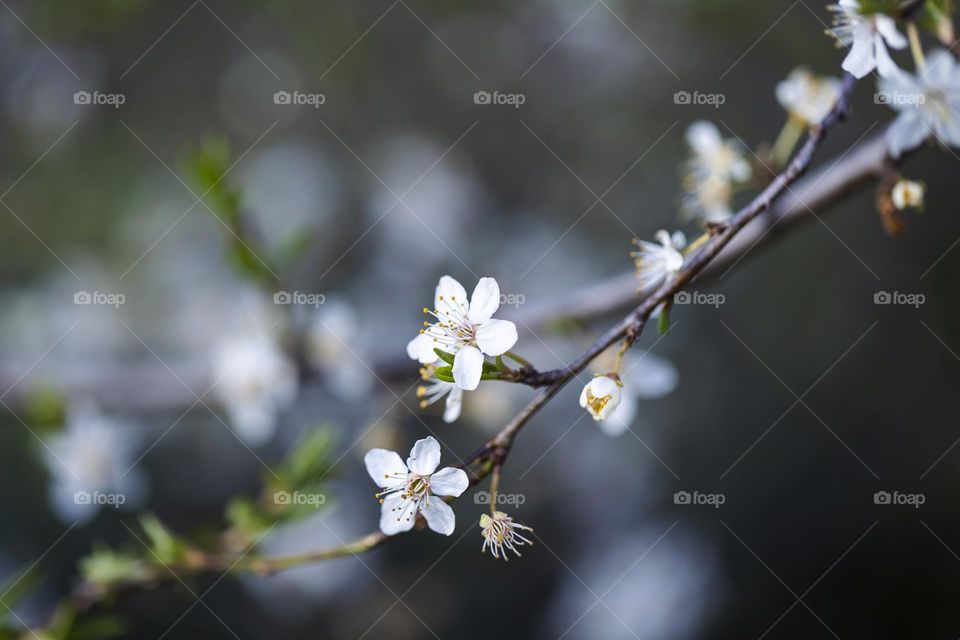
column 105, row 567
column 443, row 373
column 97, row 628
column 18, row 587
column 446, row 357
column 164, row 543
column 663, row 322
column 309, row 460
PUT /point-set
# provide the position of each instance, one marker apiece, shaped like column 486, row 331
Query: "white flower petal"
column 860, row 61
column 484, row 301
column 886, row 67
column 454, row 404
column 424, row 457
column 467, row 368
column 906, row 132
column 385, row 467
column 621, row 418
column 600, row 397
column 449, row 290
column 496, row 337
column 396, row 515
column 703, row 137
column 421, row 349
column 887, row 27
column 439, row 516
column 650, row 376
column 449, row 482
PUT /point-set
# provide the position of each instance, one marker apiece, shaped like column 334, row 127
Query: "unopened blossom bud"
column 908, row 194
column 601, row 396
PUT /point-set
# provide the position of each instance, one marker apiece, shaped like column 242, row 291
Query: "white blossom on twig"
column 658, row 262
column 867, row 35
column 908, row 194
column 465, row 328
column 413, row 488
column 928, row 104
column 501, row 533
column 808, row 97
column 601, row 396
column 715, row 166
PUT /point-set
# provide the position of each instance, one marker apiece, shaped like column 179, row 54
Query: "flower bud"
column 908, row 194
column 601, row 396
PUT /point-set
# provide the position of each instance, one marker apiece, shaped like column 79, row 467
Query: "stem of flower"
column 494, row 486
column 915, row 47
column 787, row 140
column 696, row 244
column 518, row 359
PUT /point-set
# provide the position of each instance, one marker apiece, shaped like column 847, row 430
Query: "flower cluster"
column 928, row 100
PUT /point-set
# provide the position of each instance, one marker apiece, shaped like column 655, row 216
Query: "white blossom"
column 808, row 97
column 255, row 382
column 715, row 157
column 464, row 328
column 713, row 169
column 434, row 389
column 92, row 464
column 929, row 104
column 657, row 262
column 501, row 533
column 413, row 488
column 601, row 396
column 709, row 200
column 867, row 35
column 908, row 194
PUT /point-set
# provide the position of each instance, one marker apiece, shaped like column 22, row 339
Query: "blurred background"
column 169, row 167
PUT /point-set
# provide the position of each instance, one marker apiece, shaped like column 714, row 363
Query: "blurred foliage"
column 45, row 408
column 306, row 470
column 208, row 167
column 70, row 19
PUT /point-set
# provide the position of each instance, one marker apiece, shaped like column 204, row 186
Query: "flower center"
column 596, row 404
column 452, row 329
